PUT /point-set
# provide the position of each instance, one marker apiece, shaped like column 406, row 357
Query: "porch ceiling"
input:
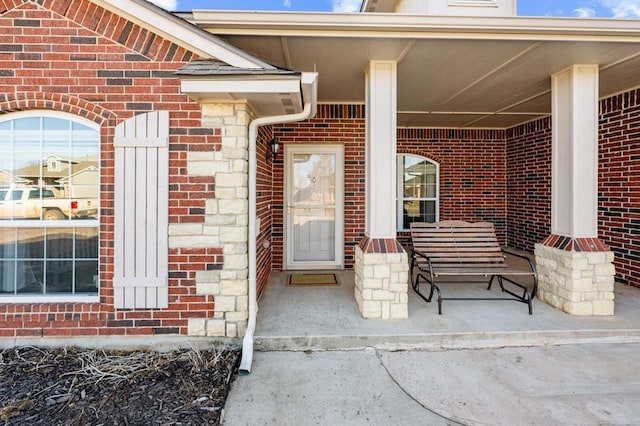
column 452, row 72
column 453, row 78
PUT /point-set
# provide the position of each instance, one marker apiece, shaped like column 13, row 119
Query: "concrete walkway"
column 594, row 384
column 480, row 363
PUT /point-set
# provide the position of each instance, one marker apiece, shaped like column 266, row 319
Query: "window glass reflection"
column 7, row 276
column 86, row 243
column 418, row 191
column 7, row 243
column 86, row 276
column 49, row 171
column 30, row 243
column 48, row 260
column 29, row 277
column 59, row 276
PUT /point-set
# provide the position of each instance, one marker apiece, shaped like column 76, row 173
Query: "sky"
column 626, row 9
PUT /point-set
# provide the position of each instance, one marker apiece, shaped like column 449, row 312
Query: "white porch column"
column 381, row 144
column 574, row 189
column 575, row 269
column 382, row 265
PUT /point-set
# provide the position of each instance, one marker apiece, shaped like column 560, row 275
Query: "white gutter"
column 309, row 83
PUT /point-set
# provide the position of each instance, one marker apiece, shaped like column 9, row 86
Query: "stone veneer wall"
column 225, row 224
column 381, row 279
column 576, row 282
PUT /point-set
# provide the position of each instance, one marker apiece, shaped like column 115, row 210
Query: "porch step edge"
column 444, row 341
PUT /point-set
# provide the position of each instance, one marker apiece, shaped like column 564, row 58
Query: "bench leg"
column 526, row 297
column 413, row 264
column 491, row 282
column 501, row 283
column 432, row 288
column 416, row 288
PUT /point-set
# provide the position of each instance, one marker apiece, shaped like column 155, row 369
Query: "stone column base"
column 381, row 279
column 575, row 281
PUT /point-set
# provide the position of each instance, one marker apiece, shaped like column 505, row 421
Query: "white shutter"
column 141, row 213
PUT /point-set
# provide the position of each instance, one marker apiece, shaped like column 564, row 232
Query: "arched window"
column 418, row 190
column 49, row 206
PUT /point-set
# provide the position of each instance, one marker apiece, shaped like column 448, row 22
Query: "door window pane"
column 314, row 182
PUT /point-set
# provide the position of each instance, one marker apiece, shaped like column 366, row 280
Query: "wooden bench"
column 463, row 249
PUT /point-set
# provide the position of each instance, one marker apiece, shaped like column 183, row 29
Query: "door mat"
column 303, row 280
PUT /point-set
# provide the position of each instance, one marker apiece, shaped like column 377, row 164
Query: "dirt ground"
column 69, row 386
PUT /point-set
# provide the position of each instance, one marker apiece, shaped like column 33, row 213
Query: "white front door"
column 314, row 193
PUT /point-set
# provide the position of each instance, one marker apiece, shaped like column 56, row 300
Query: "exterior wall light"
column 274, row 148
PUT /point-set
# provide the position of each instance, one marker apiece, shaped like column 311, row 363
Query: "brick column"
column 575, row 269
column 226, row 222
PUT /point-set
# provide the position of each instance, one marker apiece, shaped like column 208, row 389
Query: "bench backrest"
column 457, row 242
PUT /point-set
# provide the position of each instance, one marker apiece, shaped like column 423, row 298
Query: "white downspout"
column 310, row 79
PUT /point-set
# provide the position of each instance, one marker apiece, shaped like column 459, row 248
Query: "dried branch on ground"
column 69, row 386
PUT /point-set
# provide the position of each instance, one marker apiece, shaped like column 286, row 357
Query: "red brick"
column 75, row 86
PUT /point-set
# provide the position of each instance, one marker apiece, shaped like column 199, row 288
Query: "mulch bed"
column 70, row 386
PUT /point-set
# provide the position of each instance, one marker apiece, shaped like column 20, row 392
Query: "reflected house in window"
column 9, row 180
column 72, row 178
column 82, row 183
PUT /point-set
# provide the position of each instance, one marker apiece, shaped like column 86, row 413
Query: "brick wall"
column 619, row 183
column 264, row 207
column 71, row 55
column 472, row 172
column 529, row 178
column 529, row 184
column 333, row 124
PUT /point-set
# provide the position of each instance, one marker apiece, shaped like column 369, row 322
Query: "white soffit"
column 452, row 71
column 181, row 32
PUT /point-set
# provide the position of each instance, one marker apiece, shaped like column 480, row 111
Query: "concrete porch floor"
column 327, row 318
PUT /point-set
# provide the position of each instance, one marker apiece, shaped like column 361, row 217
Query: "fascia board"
column 206, row 85
column 354, row 25
column 181, row 32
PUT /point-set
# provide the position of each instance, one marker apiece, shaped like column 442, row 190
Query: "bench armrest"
column 417, row 253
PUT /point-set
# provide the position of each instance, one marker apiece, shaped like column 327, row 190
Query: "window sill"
column 48, row 299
